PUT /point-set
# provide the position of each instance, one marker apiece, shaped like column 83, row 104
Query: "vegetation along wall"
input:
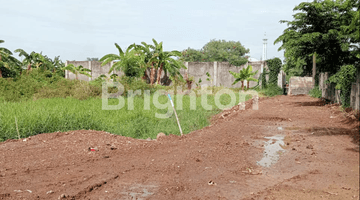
column 218, row 71
column 331, row 93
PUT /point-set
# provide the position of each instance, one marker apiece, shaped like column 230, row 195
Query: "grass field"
column 64, row 114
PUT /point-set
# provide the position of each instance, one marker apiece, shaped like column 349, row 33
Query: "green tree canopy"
column 218, row 50
column 320, row 27
column 9, row 66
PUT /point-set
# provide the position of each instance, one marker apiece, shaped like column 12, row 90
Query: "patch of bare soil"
column 319, row 159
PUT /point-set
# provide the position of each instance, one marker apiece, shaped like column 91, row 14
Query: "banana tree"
column 158, row 53
column 77, row 70
column 245, row 74
column 169, row 64
column 249, row 75
column 32, row 59
column 149, row 57
column 7, row 60
column 130, row 61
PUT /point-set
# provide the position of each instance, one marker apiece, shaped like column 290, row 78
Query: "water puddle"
column 272, row 150
column 137, row 191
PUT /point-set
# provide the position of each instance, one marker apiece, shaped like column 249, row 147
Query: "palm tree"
column 7, row 60
column 245, row 74
column 77, row 70
column 130, row 61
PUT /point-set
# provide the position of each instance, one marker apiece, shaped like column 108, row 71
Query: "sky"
column 77, row 29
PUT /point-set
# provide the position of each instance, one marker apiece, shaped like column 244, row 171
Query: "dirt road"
column 318, row 159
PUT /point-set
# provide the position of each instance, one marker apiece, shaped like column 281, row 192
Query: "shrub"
column 344, row 79
column 263, row 78
column 274, row 66
column 69, row 88
column 272, row 90
column 315, row 92
column 39, row 84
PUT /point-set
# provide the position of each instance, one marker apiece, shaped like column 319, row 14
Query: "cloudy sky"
column 77, row 29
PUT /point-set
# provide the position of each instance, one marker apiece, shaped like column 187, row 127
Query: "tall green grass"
column 64, row 114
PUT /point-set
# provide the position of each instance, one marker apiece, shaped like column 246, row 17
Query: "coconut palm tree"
column 7, row 60
column 245, row 74
column 77, row 70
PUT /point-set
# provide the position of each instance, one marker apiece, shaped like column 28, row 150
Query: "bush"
column 272, row 90
column 39, row 84
column 21, row 88
column 274, row 66
column 315, row 92
column 69, row 88
column 344, row 79
column 263, row 79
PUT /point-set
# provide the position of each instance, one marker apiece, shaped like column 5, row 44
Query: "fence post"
column 90, row 67
column 111, row 64
column 215, row 74
column 66, row 71
column 325, row 87
column 314, row 69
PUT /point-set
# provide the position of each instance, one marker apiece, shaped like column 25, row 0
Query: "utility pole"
column 264, row 47
column 314, row 69
column 263, row 58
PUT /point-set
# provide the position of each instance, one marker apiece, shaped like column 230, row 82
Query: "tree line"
column 324, row 34
column 10, row 67
column 324, row 31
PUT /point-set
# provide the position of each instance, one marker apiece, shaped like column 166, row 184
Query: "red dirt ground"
column 320, row 161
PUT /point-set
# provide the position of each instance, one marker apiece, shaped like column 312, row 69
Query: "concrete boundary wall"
column 219, row 72
column 300, row 85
